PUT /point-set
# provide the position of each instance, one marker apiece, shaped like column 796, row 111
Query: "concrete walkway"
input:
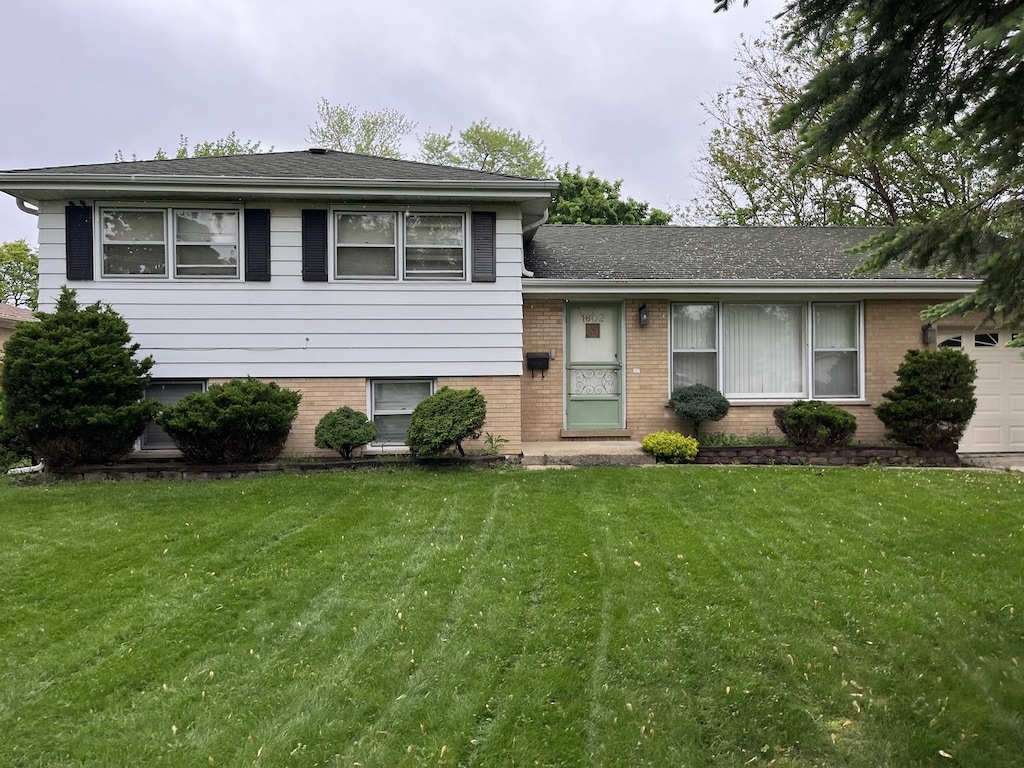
column 1013, row 462
column 584, row 453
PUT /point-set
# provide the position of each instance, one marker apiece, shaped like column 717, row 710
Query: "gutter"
column 868, row 286
column 26, row 470
column 23, row 205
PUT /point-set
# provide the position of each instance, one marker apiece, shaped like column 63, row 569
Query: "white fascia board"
column 53, row 187
column 906, row 286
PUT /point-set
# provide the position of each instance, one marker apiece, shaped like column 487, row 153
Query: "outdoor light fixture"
column 645, row 316
column 928, row 334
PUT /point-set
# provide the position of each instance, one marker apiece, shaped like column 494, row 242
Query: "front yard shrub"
column 12, row 449
column 72, row 386
column 446, row 418
column 344, row 430
column 934, row 400
column 670, row 447
column 815, row 424
column 699, row 403
column 244, row 420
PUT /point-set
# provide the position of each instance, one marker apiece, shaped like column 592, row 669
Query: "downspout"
column 26, row 470
column 24, row 206
column 528, row 231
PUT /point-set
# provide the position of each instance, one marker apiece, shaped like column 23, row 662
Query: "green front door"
column 593, row 366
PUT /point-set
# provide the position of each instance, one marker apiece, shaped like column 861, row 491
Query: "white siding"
column 285, row 327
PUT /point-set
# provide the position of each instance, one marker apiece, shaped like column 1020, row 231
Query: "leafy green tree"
column 229, row 145
column 346, row 128
column 19, row 274
column 72, row 387
column 922, row 66
column 591, row 200
column 750, row 175
column 483, row 147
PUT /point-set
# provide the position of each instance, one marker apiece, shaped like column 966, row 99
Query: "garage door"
column 998, row 423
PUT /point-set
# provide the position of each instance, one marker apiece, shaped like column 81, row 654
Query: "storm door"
column 593, row 366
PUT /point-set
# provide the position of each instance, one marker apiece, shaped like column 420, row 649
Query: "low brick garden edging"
column 175, row 469
column 851, row 456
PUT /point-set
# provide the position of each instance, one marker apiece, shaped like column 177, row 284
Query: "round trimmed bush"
column 815, row 424
column 698, row 403
column 671, row 447
column 446, row 418
column 934, row 400
column 244, row 420
column 344, row 430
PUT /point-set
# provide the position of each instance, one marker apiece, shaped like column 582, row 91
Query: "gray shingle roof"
column 304, row 164
column 605, row 252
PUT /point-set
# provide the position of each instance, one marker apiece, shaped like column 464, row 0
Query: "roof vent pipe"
column 318, row 150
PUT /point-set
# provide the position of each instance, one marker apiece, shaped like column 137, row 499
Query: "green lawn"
column 668, row 616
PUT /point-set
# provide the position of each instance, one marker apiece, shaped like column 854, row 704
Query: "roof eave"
column 21, row 183
column 905, row 286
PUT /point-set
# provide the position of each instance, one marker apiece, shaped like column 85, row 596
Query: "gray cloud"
column 614, row 87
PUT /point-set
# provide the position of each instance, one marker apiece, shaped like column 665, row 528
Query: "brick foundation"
column 320, row 396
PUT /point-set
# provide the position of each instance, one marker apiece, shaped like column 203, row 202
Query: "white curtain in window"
column 836, row 344
column 763, row 349
column 694, row 342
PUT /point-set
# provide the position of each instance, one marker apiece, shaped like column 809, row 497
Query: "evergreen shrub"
column 344, row 430
column 698, row 403
column 671, row 447
column 446, row 418
column 815, row 424
column 934, row 400
column 243, row 420
column 73, row 390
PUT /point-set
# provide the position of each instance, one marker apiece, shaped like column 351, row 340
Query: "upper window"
column 366, row 245
column 768, row 351
column 412, row 246
column 155, row 242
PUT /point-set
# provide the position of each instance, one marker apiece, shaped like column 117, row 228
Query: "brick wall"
column 322, row 395
column 542, row 399
column 503, row 408
column 891, row 327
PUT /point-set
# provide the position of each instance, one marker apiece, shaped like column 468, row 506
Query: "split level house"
column 371, row 282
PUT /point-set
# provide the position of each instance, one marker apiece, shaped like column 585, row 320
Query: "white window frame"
column 402, row 271
column 807, row 346
column 170, row 241
column 379, row 445
column 338, row 246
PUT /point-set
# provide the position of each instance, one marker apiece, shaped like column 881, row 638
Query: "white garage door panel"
column 998, row 423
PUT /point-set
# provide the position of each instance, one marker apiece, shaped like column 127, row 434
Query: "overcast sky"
column 614, row 87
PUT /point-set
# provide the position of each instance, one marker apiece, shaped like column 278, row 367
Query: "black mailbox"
column 537, row 361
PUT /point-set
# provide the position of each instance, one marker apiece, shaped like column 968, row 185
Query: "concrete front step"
column 585, row 453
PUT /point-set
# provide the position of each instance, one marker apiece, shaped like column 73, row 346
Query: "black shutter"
column 314, row 246
column 485, row 267
column 257, row 245
column 78, row 241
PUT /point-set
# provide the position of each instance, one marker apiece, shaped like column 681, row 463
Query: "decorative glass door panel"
column 593, row 374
